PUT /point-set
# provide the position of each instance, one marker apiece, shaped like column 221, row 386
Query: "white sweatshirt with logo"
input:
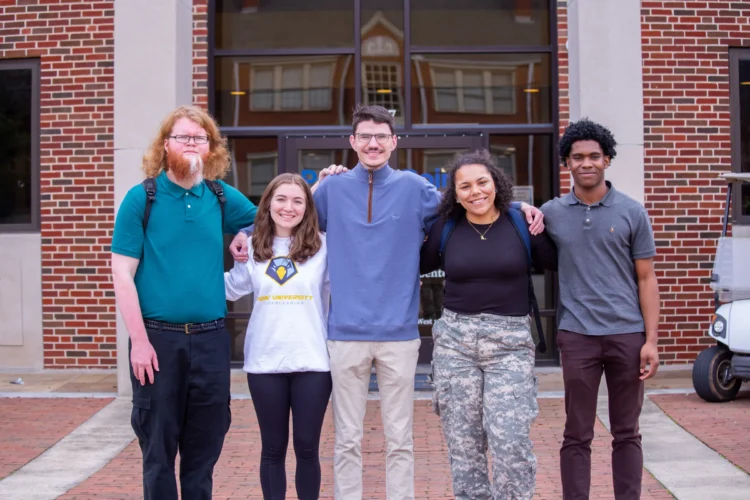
column 287, row 331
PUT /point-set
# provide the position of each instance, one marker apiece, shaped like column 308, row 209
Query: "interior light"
column 531, row 91
column 238, row 92
column 384, row 91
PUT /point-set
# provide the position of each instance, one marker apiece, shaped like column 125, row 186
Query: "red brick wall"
column 200, row 53
column 563, row 86
column 74, row 39
column 686, row 126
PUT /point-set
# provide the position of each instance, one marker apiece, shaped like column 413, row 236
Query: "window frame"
column 249, row 158
column 736, row 54
column 488, row 94
column 369, row 84
column 34, row 65
column 277, row 89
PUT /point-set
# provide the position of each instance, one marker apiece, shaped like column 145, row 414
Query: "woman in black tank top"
column 483, row 358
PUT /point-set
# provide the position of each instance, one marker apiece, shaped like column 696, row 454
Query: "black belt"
column 186, row 328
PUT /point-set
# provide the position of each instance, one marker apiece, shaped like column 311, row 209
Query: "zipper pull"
column 371, row 178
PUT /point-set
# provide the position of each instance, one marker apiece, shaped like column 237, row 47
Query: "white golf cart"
column 719, row 371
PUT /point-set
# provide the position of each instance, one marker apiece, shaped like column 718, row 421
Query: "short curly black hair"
column 450, row 208
column 586, row 130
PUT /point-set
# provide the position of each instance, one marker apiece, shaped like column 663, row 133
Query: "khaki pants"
column 395, row 365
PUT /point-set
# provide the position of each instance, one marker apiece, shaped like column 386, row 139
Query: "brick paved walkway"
column 724, row 427
column 237, row 472
column 29, row 426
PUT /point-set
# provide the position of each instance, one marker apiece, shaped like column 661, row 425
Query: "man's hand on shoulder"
column 330, row 170
column 534, row 217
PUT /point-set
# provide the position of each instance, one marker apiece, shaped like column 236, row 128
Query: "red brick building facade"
column 686, row 99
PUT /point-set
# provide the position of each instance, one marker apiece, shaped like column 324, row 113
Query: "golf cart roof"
column 735, row 176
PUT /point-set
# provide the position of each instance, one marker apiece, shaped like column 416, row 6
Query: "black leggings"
column 274, row 394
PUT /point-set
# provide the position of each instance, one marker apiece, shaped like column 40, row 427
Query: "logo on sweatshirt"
column 281, row 270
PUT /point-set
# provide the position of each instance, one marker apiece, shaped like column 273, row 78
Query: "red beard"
column 180, row 166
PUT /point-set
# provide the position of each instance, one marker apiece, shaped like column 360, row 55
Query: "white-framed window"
column 301, row 86
column 261, row 169
column 381, row 83
column 473, row 90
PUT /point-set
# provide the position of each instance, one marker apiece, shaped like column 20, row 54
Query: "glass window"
column 255, row 162
column 284, row 24
column 527, row 160
column 743, row 90
column 382, row 86
column 475, row 23
column 481, row 88
column 284, row 90
column 18, row 161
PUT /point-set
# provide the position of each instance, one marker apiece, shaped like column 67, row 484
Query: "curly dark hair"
column 586, row 130
column 450, row 208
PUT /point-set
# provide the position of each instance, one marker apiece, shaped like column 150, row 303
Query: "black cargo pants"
column 185, row 409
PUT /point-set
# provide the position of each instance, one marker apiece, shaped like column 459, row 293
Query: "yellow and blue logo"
column 281, row 270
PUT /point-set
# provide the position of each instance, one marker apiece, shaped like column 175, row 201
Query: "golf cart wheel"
column 712, row 377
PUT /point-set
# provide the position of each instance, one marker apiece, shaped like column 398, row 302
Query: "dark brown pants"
column 583, row 360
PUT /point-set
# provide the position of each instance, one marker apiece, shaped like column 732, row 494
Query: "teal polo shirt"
column 180, row 277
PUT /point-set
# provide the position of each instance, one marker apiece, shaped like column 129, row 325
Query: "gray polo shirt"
column 597, row 246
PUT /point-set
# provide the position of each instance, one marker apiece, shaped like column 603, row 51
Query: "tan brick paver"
column 236, row 475
column 30, row 426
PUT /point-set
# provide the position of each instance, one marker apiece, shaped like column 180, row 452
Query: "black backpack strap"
column 149, row 185
column 217, row 189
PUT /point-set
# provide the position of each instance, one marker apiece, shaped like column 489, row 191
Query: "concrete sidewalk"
column 64, row 383
column 89, row 450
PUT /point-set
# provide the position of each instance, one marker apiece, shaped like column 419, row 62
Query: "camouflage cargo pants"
column 485, row 394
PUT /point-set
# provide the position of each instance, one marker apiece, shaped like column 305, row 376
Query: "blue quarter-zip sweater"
column 375, row 223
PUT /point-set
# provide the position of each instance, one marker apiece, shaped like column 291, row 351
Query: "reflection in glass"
column 312, row 161
column 255, row 162
column 382, row 36
column 527, row 161
column 284, row 90
column 15, row 146
column 429, row 163
column 284, row 24
column 473, row 23
column 481, row 88
column 744, row 93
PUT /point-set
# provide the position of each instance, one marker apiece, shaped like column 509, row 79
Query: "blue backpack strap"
column 149, row 185
column 448, row 228
column 519, row 222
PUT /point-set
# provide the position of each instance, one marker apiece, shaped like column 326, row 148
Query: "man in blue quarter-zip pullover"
column 376, row 219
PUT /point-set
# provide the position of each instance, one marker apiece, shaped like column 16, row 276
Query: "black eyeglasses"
column 380, row 138
column 185, row 139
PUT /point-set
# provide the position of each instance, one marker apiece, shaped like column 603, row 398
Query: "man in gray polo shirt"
column 609, row 310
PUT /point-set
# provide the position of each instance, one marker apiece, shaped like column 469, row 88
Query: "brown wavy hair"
column 305, row 237
column 216, row 165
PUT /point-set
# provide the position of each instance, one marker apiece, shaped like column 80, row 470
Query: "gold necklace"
column 481, row 235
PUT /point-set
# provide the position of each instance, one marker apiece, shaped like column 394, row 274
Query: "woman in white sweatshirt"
column 286, row 359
